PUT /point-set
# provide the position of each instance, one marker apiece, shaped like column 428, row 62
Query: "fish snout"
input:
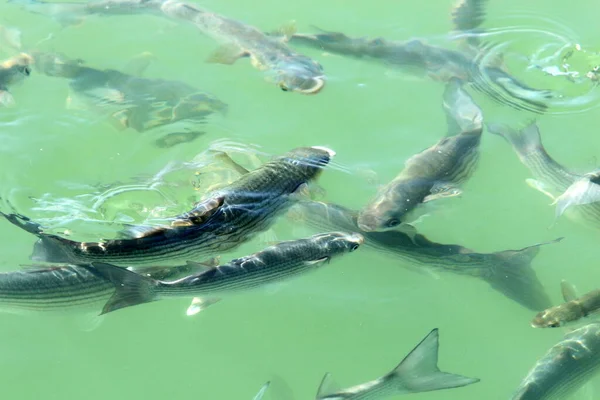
column 367, row 222
column 544, row 320
column 312, row 86
column 357, row 239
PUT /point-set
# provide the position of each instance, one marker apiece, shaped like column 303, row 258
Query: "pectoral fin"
column 440, row 191
column 200, row 304
column 569, row 292
column 6, row 99
column 226, row 54
column 540, row 186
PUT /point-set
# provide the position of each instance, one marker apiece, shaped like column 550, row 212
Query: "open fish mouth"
column 316, row 84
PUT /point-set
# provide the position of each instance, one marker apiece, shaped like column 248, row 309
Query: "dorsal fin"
column 568, row 290
column 327, row 387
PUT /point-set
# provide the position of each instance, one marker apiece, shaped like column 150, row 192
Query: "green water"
column 356, row 318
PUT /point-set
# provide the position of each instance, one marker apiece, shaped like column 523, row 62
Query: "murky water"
column 72, row 171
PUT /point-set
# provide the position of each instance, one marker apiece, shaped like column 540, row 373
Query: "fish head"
column 554, row 317
column 16, row 69
column 333, row 244
column 299, row 74
column 388, row 210
column 308, row 161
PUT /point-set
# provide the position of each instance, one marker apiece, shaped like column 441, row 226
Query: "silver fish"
column 566, row 367
column 573, row 309
column 288, row 69
column 566, row 187
column 226, row 218
column 68, row 288
column 417, row 373
column 434, row 173
column 508, row 272
column 13, row 71
column 275, row 263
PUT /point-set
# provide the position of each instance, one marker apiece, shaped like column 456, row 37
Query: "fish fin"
column 89, row 321
column 327, row 386
column 420, row 372
column 568, row 290
column 463, row 116
column 302, row 192
column 6, row 99
column 174, row 138
column 11, row 37
column 468, row 14
column 442, row 191
column 226, row 54
column 139, row 63
column 226, row 158
column 540, row 187
column 205, row 264
column 581, row 192
column 130, row 288
column 200, row 304
column 140, row 231
column 202, row 211
column 287, row 30
column 262, row 391
column 269, row 237
column 120, row 119
column 525, row 141
column 511, row 274
column 409, row 230
column 317, row 261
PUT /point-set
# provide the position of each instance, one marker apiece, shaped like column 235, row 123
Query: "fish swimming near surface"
column 13, row 71
column 224, row 219
column 567, row 188
column 417, row 373
column 288, row 69
column 438, row 63
column 435, row 172
column 131, row 101
column 565, row 368
column 574, row 309
column 508, row 272
column 69, row 288
column 275, row 263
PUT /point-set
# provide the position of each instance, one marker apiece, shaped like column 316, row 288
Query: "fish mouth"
column 357, row 238
column 318, row 83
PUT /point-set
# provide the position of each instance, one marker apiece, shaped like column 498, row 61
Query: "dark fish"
column 133, row 102
column 226, row 218
column 275, row 263
column 574, row 309
column 417, row 373
column 566, row 187
column 434, row 173
column 288, row 69
column 13, row 71
column 566, row 367
column 508, row 272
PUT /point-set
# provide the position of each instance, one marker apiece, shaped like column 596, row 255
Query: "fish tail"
column 419, row 370
column 23, row 222
column 525, row 141
column 512, row 275
column 130, row 288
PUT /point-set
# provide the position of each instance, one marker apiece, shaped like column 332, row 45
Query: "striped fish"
column 417, row 373
column 226, row 218
column 508, row 272
column 435, row 172
column 565, row 368
column 566, row 187
column 275, row 263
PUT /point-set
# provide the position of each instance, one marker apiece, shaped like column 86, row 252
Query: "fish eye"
column 354, row 247
column 393, row 222
column 26, row 70
column 284, row 88
column 554, row 324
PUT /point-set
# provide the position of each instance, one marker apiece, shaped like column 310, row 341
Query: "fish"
column 224, row 219
column 284, row 67
column 275, row 263
column 433, row 174
column 417, row 373
column 12, row 71
column 508, row 272
column 573, row 309
column 565, row 368
column 419, row 58
column 133, row 102
column 68, row 288
column 567, row 188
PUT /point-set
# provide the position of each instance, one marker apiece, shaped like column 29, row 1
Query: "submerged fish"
column 435, row 172
column 436, row 62
column 508, row 272
column 275, row 263
column 566, row 367
column 574, row 309
column 67, row 288
column 417, row 373
column 288, row 69
column 226, row 218
column 133, row 102
column 13, row 71
column 566, row 187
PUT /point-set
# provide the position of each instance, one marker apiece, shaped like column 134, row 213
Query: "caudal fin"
column 511, row 274
column 419, row 372
column 525, row 141
column 130, row 288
